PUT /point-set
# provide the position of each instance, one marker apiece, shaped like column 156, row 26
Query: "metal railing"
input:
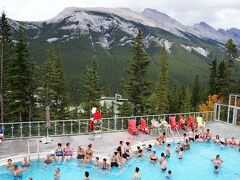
column 17, row 130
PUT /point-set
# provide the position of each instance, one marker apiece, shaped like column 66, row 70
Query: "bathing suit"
column 114, row 164
column 197, row 136
column 68, row 151
column 152, row 159
column 125, row 155
column 48, row 161
column 80, row 156
column 59, row 152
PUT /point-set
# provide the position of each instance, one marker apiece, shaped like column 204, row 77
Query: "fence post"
column 219, row 109
column 115, row 123
column 79, row 126
column 21, row 127
column 12, row 130
column 215, row 111
column 55, row 128
column 71, row 127
column 30, row 129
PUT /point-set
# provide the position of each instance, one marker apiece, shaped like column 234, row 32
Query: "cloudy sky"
column 217, row 13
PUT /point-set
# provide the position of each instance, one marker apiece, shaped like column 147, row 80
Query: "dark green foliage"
column 231, row 50
column 186, row 105
column 53, row 90
column 174, row 98
column 136, row 86
column 213, row 78
column 223, row 79
column 7, row 55
column 196, row 93
column 106, row 112
column 125, row 109
column 20, row 86
column 90, row 87
column 162, row 86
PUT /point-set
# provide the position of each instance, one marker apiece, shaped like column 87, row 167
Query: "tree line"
column 27, row 89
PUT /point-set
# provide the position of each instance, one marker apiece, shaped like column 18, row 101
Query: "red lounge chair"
column 132, row 127
column 173, row 124
column 191, row 122
column 180, row 123
column 143, row 127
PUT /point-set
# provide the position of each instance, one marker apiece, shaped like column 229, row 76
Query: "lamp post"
column 20, row 112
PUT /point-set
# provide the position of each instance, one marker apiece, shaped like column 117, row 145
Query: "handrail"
column 16, row 130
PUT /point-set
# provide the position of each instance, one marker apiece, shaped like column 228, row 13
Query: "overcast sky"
column 217, row 13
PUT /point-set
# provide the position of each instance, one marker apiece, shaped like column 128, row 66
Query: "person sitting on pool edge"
column 208, row 135
column 80, row 153
column 68, row 152
column 136, row 175
column 58, row 153
column 88, row 154
column 153, row 157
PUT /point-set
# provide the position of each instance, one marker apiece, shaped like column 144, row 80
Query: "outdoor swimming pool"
column 195, row 165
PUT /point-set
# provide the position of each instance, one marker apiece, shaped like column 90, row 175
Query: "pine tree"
column 136, row 87
column 90, row 87
column 231, row 50
column 186, row 105
column 196, row 93
column 162, row 86
column 125, row 109
column 213, row 77
column 7, row 54
column 53, row 91
column 174, row 100
column 223, row 79
column 20, row 80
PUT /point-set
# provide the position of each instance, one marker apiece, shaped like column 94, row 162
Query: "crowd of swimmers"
column 124, row 152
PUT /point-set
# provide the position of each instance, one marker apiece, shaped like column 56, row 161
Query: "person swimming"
column 163, row 162
column 153, row 157
column 149, row 148
column 139, row 152
column 48, row 160
column 17, row 172
column 105, row 165
column 25, row 163
column 86, row 176
column 57, row 174
column 9, row 164
column 136, row 175
column 217, row 161
column 169, row 174
column 180, row 155
column 96, row 162
column 168, row 150
column 177, row 149
column 186, row 145
column 216, row 169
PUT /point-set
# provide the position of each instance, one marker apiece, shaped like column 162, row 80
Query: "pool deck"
column 104, row 146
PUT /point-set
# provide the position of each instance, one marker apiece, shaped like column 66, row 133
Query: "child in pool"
column 169, row 174
column 105, row 165
column 180, row 155
column 168, row 150
column 96, row 162
column 177, row 149
column 149, row 148
column 153, row 157
column 216, row 169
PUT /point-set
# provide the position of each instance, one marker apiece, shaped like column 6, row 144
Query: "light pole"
column 20, row 111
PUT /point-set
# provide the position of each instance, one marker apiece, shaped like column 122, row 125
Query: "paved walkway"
column 105, row 146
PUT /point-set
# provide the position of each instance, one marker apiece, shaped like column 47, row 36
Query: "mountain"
column 108, row 33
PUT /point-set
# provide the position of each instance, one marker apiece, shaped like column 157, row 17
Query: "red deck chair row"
column 133, row 129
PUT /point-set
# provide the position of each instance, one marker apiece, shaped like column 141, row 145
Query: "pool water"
column 194, row 165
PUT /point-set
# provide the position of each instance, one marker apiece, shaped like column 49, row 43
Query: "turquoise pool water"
column 195, row 165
